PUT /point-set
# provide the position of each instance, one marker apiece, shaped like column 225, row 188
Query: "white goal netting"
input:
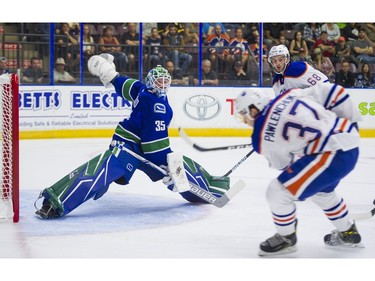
column 8, row 139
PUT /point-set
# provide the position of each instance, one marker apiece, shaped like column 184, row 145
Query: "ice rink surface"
column 147, row 229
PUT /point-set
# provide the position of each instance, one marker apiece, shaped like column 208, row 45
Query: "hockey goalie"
column 139, row 142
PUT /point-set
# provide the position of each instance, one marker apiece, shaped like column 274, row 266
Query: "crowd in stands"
column 231, row 52
column 344, row 53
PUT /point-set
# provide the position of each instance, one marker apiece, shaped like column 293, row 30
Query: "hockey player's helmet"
column 279, row 50
column 249, row 99
column 158, row 80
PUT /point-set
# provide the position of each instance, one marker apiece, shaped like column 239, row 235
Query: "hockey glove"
column 103, row 67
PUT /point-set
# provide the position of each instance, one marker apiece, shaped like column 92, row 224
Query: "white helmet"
column 158, row 80
column 249, row 99
column 279, row 50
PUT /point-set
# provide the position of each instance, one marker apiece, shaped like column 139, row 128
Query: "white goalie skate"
column 103, row 67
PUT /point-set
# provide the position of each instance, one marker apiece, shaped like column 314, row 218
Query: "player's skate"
column 47, row 211
column 349, row 238
column 103, row 67
column 279, row 245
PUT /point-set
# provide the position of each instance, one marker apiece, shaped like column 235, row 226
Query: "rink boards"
column 94, row 111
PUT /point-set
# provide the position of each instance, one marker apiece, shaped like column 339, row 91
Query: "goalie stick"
column 197, row 190
column 205, row 149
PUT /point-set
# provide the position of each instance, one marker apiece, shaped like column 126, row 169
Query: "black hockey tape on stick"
column 197, row 190
column 206, row 149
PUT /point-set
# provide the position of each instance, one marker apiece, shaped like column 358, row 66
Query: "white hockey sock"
column 283, row 208
column 334, row 208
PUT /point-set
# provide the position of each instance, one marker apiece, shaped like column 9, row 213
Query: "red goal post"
column 9, row 148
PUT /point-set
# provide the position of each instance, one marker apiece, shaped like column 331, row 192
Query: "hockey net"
column 9, row 148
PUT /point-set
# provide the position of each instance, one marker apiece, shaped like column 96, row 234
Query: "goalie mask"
column 158, row 80
column 280, row 50
column 248, row 100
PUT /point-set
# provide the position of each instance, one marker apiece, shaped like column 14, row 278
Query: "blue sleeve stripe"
column 329, row 135
column 330, row 96
column 337, row 103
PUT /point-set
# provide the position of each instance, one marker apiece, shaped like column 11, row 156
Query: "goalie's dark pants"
column 92, row 179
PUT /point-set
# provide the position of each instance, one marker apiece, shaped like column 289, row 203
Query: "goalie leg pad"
column 90, row 180
column 197, row 175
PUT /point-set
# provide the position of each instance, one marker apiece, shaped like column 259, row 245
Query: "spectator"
column 74, row 29
column 179, row 26
column 131, row 40
column 175, row 74
column 88, row 43
column 192, row 33
column 255, row 48
column 3, row 65
column 333, row 31
column 370, row 31
column 251, row 36
column 146, row 29
column 238, row 48
column 176, row 51
column 59, row 73
column 208, row 28
column 343, row 52
column 272, row 32
column 238, row 75
column 283, row 41
column 322, row 63
column 108, row 43
column 163, row 29
column 362, row 48
column 311, row 33
column 65, row 43
column 365, row 79
column 34, row 73
column 350, row 31
column 327, row 47
column 297, row 46
column 154, row 51
column 218, row 42
column 304, row 56
column 345, row 77
column 209, row 76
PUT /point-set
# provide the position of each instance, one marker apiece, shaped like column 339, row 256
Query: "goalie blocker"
column 92, row 180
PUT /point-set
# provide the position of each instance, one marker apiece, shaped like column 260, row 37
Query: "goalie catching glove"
column 103, row 67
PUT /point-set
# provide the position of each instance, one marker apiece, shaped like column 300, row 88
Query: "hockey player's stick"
column 200, row 148
column 197, row 190
column 239, row 163
column 205, row 149
column 364, row 216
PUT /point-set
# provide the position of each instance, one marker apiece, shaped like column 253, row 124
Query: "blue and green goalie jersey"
column 147, row 126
